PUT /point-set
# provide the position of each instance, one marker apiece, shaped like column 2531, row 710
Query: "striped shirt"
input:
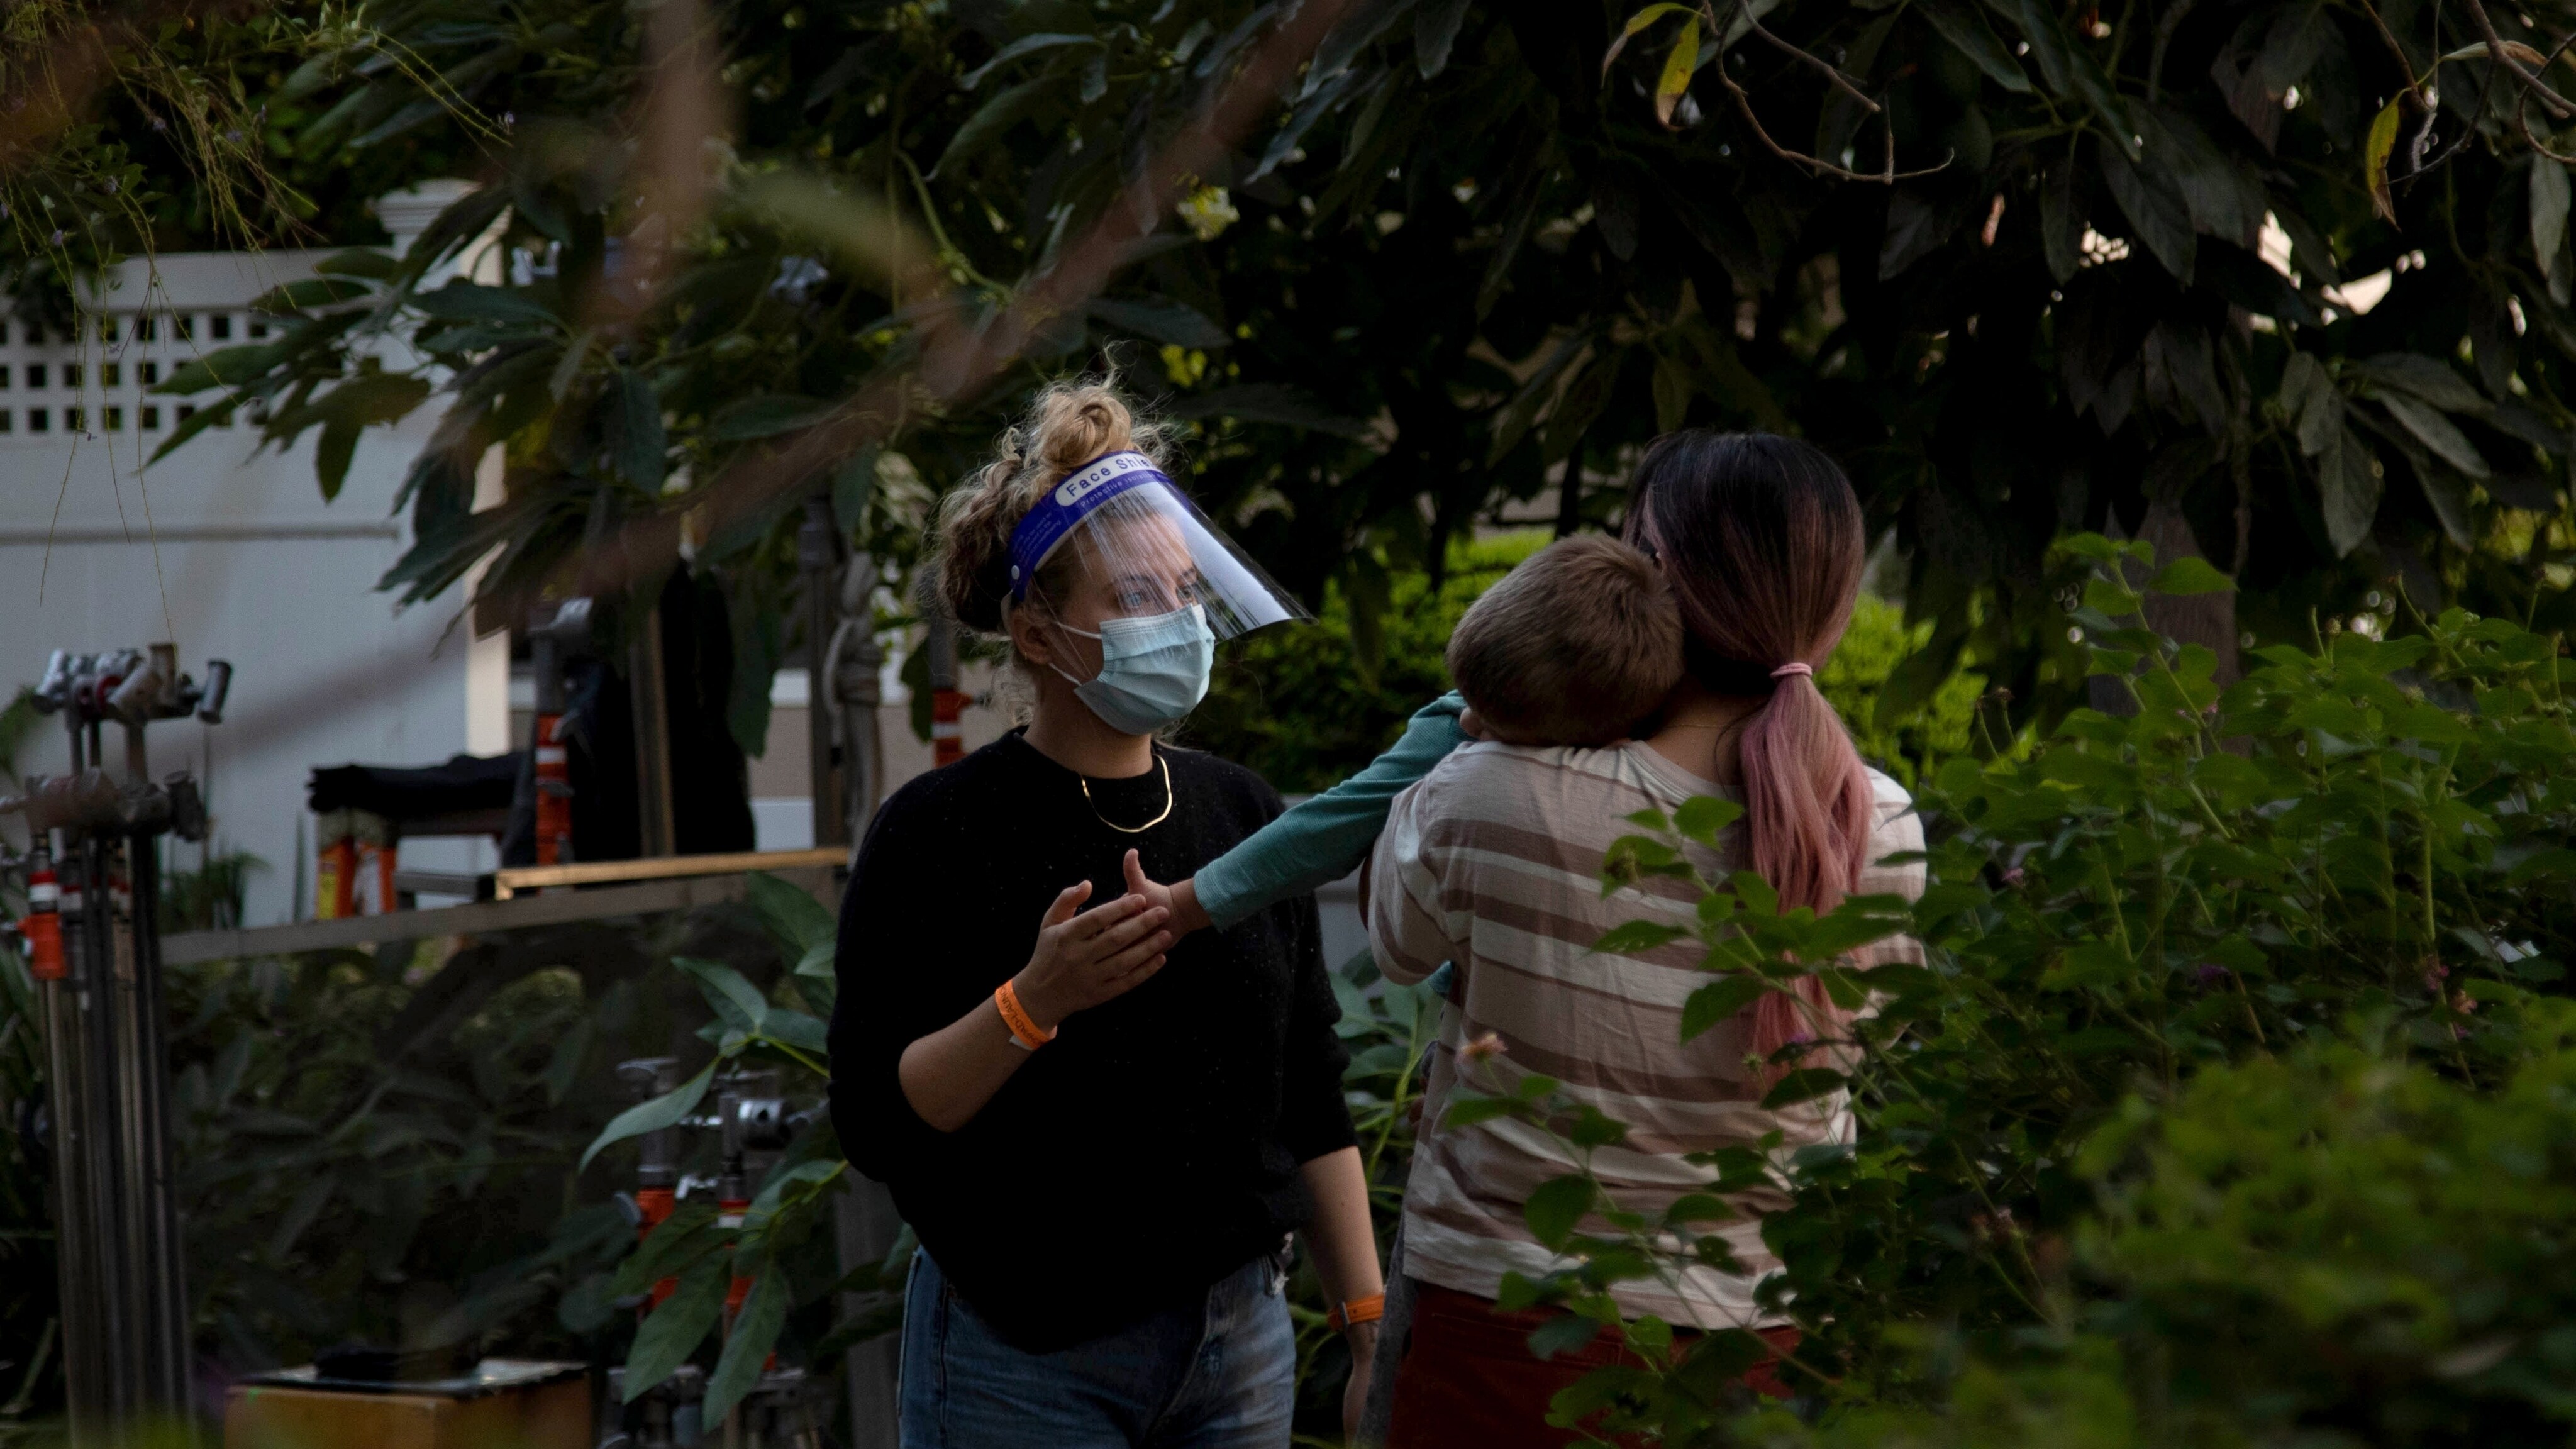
column 1493, row 861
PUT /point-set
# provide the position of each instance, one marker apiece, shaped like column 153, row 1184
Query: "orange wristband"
column 1356, row 1311
column 1024, row 1028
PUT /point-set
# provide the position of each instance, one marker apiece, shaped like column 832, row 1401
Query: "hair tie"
column 1785, row 670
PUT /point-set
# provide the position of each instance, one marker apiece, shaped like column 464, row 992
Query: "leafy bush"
column 383, row 1144
column 1908, row 742
column 2101, row 1111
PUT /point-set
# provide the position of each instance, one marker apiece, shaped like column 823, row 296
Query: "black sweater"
column 1153, row 1146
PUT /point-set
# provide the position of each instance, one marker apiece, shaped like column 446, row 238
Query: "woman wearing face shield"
column 1103, row 1133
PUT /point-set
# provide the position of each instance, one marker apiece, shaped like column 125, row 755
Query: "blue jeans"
column 1220, row 1375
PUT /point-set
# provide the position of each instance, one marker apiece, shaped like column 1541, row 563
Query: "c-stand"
column 93, row 894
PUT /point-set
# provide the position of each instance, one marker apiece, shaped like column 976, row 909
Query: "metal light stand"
column 126, row 1359
column 553, row 643
column 784, row 1410
column 849, row 776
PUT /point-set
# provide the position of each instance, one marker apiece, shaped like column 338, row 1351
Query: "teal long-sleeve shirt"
column 1324, row 838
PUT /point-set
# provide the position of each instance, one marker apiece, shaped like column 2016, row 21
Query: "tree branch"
column 1887, row 174
column 2553, row 102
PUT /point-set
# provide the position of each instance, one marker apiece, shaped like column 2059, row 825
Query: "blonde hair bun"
column 1068, row 425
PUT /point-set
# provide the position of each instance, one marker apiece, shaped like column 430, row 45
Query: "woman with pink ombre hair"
column 1492, row 861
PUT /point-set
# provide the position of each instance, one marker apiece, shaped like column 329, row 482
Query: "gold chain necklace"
column 1132, row 829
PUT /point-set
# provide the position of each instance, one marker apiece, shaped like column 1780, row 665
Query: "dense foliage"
column 2220, row 1104
column 1460, row 252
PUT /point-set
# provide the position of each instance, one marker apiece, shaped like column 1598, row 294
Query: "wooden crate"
column 550, row 1414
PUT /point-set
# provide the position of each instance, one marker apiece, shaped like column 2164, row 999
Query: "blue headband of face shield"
column 1067, row 504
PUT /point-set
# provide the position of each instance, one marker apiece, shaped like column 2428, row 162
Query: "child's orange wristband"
column 1024, row 1027
column 1356, row 1310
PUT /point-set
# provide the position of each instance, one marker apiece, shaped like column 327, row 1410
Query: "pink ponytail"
column 1761, row 538
column 1807, row 813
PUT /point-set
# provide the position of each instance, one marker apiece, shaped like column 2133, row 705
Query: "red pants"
column 1468, row 1378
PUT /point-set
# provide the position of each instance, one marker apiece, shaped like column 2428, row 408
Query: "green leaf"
column 1968, row 34
column 1699, row 1207
column 1755, row 892
column 1701, row 817
column 746, row 1350
column 1556, row 1206
column 2190, row 575
column 1720, row 1001
column 1594, row 1128
column 991, row 119
column 1637, row 937
column 790, row 912
column 2158, row 215
column 795, row 1029
column 653, row 1116
column 2309, row 396
column 1802, row 1085
column 2374, row 153
column 2111, row 598
column 1161, row 319
column 1679, row 67
column 2436, row 432
column 1638, row 22
column 310, row 293
column 1563, row 1335
column 2429, row 378
column 853, row 487
column 670, row 1333
column 2349, row 485
column 1025, row 45
column 735, row 999
column 637, row 439
column 682, row 1238
column 2448, row 492
column 224, row 367
column 803, row 1174
column 2549, row 199
column 469, row 302
column 1435, row 30
column 1469, row 1111
column 2068, row 69
column 1721, row 1360
column 766, row 415
column 364, row 262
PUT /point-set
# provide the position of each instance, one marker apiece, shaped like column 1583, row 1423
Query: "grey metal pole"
column 76, row 1193
column 650, row 695
column 817, row 551
column 857, row 694
column 115, row 1397
column 864, row 1219
column 168, row 1369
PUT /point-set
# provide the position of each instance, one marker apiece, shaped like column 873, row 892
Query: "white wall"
column 229, row 555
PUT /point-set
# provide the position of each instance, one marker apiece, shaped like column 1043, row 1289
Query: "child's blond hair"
column 1573, row 647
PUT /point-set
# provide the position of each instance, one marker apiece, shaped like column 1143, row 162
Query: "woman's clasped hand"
column 1084, row 958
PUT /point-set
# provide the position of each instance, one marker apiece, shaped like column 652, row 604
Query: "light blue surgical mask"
column 1153, row 670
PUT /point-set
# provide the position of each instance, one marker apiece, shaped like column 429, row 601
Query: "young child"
column 1573, row 647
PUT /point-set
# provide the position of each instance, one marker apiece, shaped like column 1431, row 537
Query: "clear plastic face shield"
column 1117, row 553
